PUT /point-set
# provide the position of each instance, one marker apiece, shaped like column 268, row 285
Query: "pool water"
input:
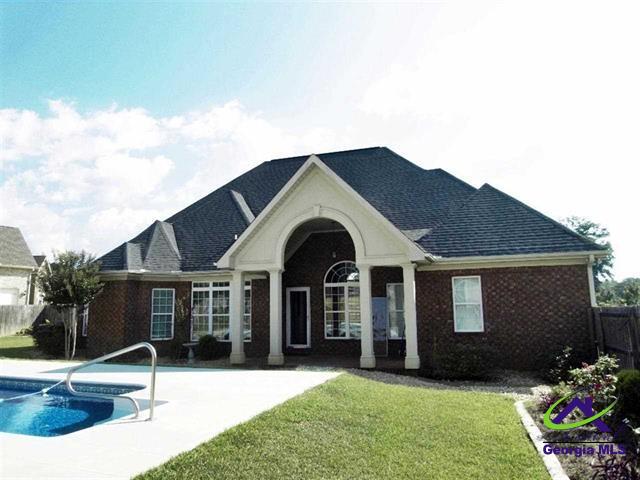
column 25, row 410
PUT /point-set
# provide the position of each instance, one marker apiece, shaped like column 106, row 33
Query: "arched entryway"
column 321, row 291
column 299, row 256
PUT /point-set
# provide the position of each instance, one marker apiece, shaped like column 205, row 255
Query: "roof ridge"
column 542, row 215
column 336, row 152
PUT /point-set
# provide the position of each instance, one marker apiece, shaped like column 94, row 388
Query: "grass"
column 356, row 428
column 18, row 346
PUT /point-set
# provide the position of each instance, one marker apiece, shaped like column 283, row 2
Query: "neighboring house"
column 17, row 266
column 356, row 253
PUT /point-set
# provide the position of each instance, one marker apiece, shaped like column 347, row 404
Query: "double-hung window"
column 210, row 310
column 467, row 304
column 395, row 305
column 162, row 313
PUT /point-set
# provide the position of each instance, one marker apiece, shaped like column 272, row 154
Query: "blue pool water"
column 25, row 410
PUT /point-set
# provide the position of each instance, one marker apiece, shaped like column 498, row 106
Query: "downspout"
column 592, row 287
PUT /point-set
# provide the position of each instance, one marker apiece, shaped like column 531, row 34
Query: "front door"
column 298, row 317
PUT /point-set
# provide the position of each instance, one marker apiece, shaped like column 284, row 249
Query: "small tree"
column 599, row 234
column 70, row 284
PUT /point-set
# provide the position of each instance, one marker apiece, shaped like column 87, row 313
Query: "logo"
column 585, row 406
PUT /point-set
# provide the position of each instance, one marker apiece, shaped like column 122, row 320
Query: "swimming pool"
column 25, row 409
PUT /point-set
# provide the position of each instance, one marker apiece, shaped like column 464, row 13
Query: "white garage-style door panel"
column 316, row 190
column 9, row 296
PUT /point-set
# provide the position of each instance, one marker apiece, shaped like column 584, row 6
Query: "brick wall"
column 121, row 316
column 307, row 268
column 529, row 313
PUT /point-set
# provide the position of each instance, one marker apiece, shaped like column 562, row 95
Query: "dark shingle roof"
column 415, row 200
column 491, row 222
column 14, row 250
column 39, row 259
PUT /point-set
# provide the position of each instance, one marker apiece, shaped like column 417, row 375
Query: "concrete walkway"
column 192, row 406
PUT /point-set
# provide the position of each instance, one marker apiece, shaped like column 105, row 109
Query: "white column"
column 275, row 318
column 412, row 359
column 367, row 358
column 236, row 316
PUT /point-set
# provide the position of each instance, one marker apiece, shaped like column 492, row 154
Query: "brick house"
column 358, row 253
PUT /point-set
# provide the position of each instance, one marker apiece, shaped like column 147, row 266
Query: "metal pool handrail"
column 136, row 407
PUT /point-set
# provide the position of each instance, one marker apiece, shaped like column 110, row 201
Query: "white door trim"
column 308, row 291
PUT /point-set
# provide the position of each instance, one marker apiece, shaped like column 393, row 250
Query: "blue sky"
column 113, row 114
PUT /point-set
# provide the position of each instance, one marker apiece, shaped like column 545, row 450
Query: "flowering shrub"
column 546, row 399
column 597, row 380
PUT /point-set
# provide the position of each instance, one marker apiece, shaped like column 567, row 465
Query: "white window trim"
column 453, row 300
column 173, row 314
column 389, row 337
column 210, row 288
column 288, row 315
column 345, row 286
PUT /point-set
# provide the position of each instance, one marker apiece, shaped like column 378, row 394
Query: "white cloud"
column 94, row 179
column 539, row 99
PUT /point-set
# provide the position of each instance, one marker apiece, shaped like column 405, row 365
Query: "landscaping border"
column 550, row 461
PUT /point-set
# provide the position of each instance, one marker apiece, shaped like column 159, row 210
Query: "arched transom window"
column 342, row 301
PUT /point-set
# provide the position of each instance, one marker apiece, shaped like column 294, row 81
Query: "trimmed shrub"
column 628, row 392
column 49, row 338
column 208, row 348
column 464, row 362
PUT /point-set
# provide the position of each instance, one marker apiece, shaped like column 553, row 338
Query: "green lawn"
column 18, row 346
column 353, row 428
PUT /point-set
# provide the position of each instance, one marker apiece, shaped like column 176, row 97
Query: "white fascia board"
column 170, row 276
column 19, row 267
column 416, row 253
column 225, row 260
column 528, row 259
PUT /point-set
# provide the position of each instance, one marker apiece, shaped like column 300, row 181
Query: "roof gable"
column 317, row 191
column 14, row 250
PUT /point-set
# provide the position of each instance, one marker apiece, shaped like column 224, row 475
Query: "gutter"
column 19, row 267
column 487, row 261
column 140, row 275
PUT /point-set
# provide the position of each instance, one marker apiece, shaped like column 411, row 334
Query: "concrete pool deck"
column 192, row 406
